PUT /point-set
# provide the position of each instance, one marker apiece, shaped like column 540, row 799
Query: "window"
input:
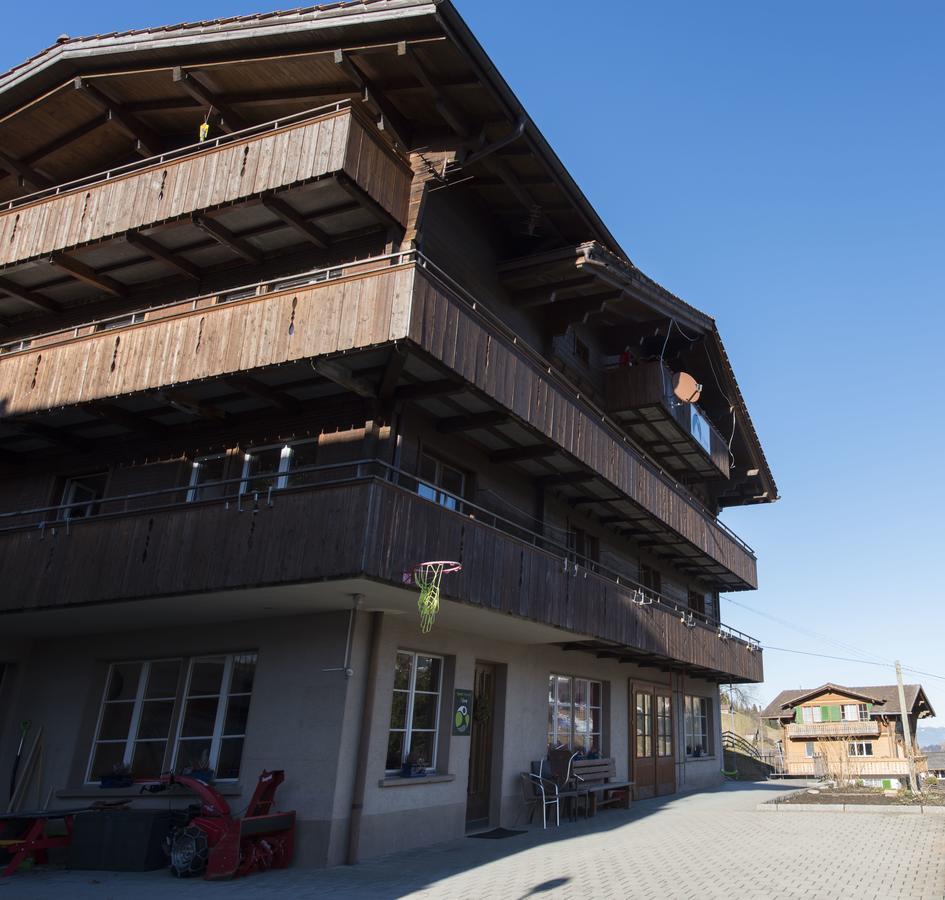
column 415, row 710
column 644, row 721
column 856, row 712
column 136, row 720
column 14, row 346
column 434, row 473
column 860, row 748
column 574, row 712
column 809, row 749
column 213, row 719
column 696, row 602
column 273, row 467
column 286, row 284
column 80, row 495
column 664, row 726
column 120, row 322
column 584, row 547
column 697, row 726
column 650, row 578
column 206, row 473
column 238, row 294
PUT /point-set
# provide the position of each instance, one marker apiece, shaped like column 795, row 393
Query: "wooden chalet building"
column 247, row 381
column 849, row 733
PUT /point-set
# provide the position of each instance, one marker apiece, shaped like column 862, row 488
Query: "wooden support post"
column 906, row 731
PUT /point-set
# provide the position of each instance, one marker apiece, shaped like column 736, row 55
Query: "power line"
column 865, row 662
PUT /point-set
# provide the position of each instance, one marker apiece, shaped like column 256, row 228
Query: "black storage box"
column 119, row 840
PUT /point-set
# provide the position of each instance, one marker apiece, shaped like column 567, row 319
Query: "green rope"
column 429, row 602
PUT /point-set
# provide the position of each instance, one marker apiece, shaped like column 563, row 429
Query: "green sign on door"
column 462, row 712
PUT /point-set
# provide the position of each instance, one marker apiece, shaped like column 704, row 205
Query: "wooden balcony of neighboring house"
column 856, row 767
column 310, row 179
column 673, row 431
column 378, row 330
column 337, row 524
column 815, row 730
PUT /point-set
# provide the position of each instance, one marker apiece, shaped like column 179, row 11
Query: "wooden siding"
column 367, row 528
column 182, row 344
column 339, row 142
column 449, row 330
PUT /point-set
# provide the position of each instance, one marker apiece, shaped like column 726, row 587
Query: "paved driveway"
column 712, row 844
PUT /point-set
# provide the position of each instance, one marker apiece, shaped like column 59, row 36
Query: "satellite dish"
column 686, row 388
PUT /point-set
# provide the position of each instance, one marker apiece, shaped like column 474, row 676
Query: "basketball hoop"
column 426, row 576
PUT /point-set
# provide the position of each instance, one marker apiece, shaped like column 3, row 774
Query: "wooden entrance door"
column 479, row 785
column 652, row 741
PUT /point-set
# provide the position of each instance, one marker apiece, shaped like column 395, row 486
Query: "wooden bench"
column 597, row 778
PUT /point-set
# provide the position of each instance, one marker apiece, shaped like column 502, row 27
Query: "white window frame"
column 137, row 708
column 194, row 484
column 68, row 503
column 859, row 748
column 119, row 322
column 555, row 704
column 807, row 714
column 243, row 293
column 285, row 463
column 15, row 346
column 411, row 694
column 223, row 702
column 707, row 748
column 809, row 749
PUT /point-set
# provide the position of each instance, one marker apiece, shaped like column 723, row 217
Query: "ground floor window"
column 697, row 726
column 171, row 714
column 574, row 713
column 809, row 749
column 860, row 748
column 415, row 711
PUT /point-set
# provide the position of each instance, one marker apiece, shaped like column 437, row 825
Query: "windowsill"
column 706, row 756
column 399, row 780
column 89, row 791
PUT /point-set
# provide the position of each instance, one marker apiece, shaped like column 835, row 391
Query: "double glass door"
column 652, row 739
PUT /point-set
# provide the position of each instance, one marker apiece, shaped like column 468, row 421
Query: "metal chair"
column 539, row 790
column 560, row 768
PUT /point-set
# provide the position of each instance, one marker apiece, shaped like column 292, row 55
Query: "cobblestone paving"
column 711, row 844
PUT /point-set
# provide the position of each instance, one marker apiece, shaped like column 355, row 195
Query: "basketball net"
column 427, row 577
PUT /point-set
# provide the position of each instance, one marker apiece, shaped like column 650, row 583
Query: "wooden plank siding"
column 453, row 333
column 183, row 344
column 338, row 142
column 364, row 528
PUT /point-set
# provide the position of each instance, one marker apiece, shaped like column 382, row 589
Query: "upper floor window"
column 697, row 602
column 81, row 495
column 440, row 482
column 415, row 711
column 277, row 466
column 574, row 712
column 860, row 748
column 697, row 726
column 120, row 322
column 238, row 294
column 13, row 346
column 651, row 578
column 206, row 473
column 584, row 547
column 286, row 284
column 856, row 712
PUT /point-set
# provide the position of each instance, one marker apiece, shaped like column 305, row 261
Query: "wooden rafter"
column 388, row 119
column 344, row 377
column 262, row 391
column 82, row 272
column 146, row 141
column 184, row 403
column 109, row 412
column 522, row 454
column 24, row 170
column 29, row 296
column 157, row 251
column 220, row 233
column 441, row 388
column 455, row 424
column 192, row 82
column 288, row 214
column 564, row 478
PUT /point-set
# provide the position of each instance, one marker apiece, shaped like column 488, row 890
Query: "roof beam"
column 548, row 293
column 64, row 140
column 222, row 235
column 146, row 141
column 262, row 391
column 28, row 296
column 559, row 316
column 184, row 403
column 162, row 254
column 288, row 214
column 564, row 478
column 456, row 424
column 344, row 377
column 367, row 202
column 47, row 433
column 388, row 120
column 441, row 388
column 193, row 83
column 118, row 416
column 24, row 171
column 82, row 272
column 522, row 454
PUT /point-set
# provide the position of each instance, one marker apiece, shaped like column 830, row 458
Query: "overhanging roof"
column 884, row 696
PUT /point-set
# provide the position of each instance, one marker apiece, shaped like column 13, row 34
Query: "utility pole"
column 906, row 733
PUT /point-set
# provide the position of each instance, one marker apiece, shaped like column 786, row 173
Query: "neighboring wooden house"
column 849, row 733
column 247, row 381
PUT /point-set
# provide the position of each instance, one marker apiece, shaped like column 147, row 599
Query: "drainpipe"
column 364, row 740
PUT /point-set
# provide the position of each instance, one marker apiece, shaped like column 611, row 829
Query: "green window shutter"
column 797, row 714
column 836, row 713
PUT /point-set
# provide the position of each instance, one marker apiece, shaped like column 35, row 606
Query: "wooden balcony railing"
column 351, row 520
column 865, row 728
column 856, row 767
column 329, row 140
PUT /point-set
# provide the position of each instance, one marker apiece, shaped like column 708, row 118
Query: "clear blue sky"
column 781, row 166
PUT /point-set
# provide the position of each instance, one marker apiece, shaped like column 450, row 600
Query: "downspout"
column 364, row 741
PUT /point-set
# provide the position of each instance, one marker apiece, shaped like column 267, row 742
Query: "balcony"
column 855, row 767
column 312, row 178
column 815, row 730
column 358, row 520
column 676, row 433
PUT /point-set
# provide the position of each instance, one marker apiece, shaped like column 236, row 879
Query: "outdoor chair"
column 561, row 770
column 538, row 790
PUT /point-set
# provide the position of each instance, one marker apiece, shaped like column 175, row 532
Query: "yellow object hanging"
column 204, row 131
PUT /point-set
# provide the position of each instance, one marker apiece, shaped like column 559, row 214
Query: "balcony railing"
column 126, row 549
column 864, row 727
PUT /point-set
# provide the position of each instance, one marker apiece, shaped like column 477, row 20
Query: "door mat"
column 496, row 833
